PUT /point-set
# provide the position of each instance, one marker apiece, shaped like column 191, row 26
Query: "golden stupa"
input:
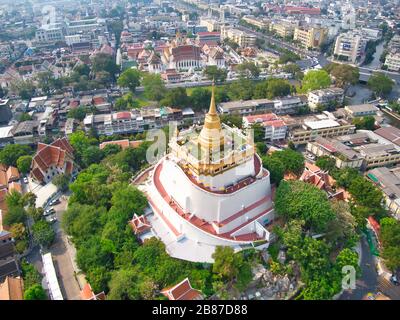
column 211, row 136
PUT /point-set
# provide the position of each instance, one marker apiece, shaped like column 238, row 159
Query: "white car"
column 25, row 179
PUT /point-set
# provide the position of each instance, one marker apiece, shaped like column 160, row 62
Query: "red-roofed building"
column 140, row 224
column 184, row 56
column 275, row 128
column 125, row 143
column 51, row 160
column 322, row 180
column 182, row 291
column 301, row 10
column 88, row 294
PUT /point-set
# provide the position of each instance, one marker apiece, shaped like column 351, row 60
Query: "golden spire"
column 211, row 135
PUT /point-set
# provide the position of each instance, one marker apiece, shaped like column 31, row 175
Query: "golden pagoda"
column 211, row 137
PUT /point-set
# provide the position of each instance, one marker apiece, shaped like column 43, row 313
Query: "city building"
column 344, row 155
column 325, row 97
column 9, row 262
column 310, row 37
column 388, row 180
column 350, row 47
column 361, row 110
column 51, row 160
column 5, row 112
column 209, row 190
column 257, row 22
column 12, row 289
column 325, row 125
column 287, row 105
column 274, row 127
column 211, row 24
column 243, row 39
column 50, row 33
column 392, row 61
column 283, row 29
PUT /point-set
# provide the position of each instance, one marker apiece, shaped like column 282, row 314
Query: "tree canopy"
column 380, row 84
column 130, row 78
column 300, row 200
column 315, row 79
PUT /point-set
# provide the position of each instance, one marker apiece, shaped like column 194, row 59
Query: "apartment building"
column 126, row 122
column 287, row 105
column 257, row 22
column 344, row 155
column 283, row 29
column 50, row 33
column 274, row 127
column 310, row 37
column 362, row 150
column 350, row 47
column 324, row 125
column 361, row 110
column 392, row 61
column 211, row 24
column 243, row 39
column 388, row 180
column 324, row 97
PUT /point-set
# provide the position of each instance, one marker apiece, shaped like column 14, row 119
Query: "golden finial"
column 213, row 108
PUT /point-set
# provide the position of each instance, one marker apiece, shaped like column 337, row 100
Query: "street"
column 368, row 282
column 63, row 256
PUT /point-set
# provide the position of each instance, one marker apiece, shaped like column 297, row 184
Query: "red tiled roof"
column 182, row 291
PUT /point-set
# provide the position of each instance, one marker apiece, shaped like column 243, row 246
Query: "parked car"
column 54, row 202
column 51, row 219
column 25, row 180
column 49, row 212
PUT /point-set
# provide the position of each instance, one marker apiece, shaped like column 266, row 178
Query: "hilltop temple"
column 209, row 190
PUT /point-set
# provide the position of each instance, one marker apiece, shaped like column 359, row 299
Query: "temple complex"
column 209, row 190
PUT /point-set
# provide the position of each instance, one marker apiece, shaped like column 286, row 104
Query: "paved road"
column 369, row 278
column 63, row 257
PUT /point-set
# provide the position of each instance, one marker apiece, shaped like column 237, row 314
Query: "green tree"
column 261, row 148
column 24, row 164
column 272, row 88
column 367, row 123
column 14, row 215
column 241, row 89
column 45, row 81
column 61, row 181
column 248, row 70
column 294, row 70
column 315, row 79
column 300, row 200
column 348, row 257
column 343, row 74
column 25, row 89
column 92, row 155
column 78, row 113
column 104, row 62
column 226, row 263
column 275, row 168
column 292, row 160
column 365, row 193
column 326, row 163
column 43, row 233
column 11, row 152
column 130, row 78
column 390, row 238
column 176, row 97
column 200, row 99
column 154, row 87
column 111, row 149
column 343, row 226
column 124, row 285
column 215, row 73
column 35, row 292
column 380, row 84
